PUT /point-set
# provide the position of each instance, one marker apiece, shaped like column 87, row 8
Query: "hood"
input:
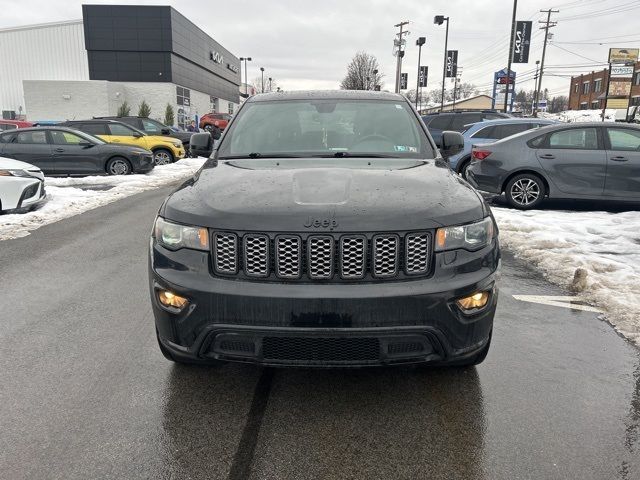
column 301, row 195
column 163, row 139
column 10, row 164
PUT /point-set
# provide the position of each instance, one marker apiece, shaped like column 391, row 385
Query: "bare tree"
column 257, row 84
column 360, row 73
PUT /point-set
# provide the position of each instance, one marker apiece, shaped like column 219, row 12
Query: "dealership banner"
column 522, row 42
column 424, row 72
column 452, row 63
column 403, row 81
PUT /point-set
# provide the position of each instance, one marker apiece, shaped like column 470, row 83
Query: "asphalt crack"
column 243, row 459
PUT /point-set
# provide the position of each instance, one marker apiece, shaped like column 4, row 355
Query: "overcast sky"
column 307, row 44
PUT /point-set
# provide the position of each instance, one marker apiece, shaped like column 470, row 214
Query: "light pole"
column 534, row 108
column 270, row 79
column 375, row 78
column 439, row 20
column 246, row 87
column 262, row 74
column 420, row 42
column 511, row 40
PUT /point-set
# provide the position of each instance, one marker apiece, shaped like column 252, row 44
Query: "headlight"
column 14, row 173
column 470, row 237
column 177, row 144
column 174, row 236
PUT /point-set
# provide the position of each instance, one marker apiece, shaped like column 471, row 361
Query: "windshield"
column 326, row 128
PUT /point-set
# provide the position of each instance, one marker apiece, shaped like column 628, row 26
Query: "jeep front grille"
column 322, row 257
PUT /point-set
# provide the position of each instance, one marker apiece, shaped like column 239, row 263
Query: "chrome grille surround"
column 353, row 258
column 256, row 255
column 320, row 256
column 225, row 253
column 417, row 253
column 385, row 252
column 288, row 251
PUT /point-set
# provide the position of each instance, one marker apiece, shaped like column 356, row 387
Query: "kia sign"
column 522, row 42
column 452, row 63
column 403, row 81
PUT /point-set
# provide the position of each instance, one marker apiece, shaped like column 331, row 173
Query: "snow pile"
column 606, row 245
column 571, row 116
column 67, row 197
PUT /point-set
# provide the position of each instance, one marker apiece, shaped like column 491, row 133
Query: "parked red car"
column 211, row 120
column 13, row 124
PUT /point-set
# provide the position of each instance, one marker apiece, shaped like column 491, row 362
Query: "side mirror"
column 216, row 133
column 86, row 144
column 165, row 131
column 201, row 145
column 137, row 134
column 451, row 143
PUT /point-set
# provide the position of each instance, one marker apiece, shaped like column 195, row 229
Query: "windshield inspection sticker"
column 404, row 148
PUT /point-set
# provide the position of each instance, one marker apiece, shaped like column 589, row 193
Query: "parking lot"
column 87, row 394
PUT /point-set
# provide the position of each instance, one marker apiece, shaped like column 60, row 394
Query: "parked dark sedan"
column 65, row 151
column 595, row 161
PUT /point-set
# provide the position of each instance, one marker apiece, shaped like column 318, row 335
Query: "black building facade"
column 157, row 44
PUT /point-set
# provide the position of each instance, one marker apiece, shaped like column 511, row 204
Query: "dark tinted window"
column 7, row 126
column 92, row 128
column 7, row 138
column 151, row 127
column 119, row 129
column 37, row 137
column 459, row 121
column 537, row 142
column 440, row 122
column 504, row 131
column 134, row 122
column 486, row 132
column 575, row 138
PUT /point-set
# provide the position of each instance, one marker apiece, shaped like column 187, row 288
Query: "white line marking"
column 559, row 301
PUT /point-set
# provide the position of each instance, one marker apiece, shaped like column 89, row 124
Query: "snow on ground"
column 571, row 116
column 67, row 197
column 606, row 245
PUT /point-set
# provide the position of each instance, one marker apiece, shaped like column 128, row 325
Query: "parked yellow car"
column 165, row 149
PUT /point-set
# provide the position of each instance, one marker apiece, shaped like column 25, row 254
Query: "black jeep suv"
column 325, row 230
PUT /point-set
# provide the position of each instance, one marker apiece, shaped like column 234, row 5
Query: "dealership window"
column 230, row 108
column 575, row 138
column 215, row 103
column 597, row 85
column 183, row 99
column 585, row 87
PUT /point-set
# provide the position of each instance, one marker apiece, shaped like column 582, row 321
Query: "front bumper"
column 382, row 323
column 144, row 164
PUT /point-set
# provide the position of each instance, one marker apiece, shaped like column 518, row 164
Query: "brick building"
column 587, row 91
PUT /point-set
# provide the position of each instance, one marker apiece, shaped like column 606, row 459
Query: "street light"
column 270, row 84
column 245, row 59
column 419, row 42
column 262, row 73
column 439, row 20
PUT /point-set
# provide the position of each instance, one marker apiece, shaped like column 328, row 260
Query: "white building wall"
column 67, row 100
column 53, row 51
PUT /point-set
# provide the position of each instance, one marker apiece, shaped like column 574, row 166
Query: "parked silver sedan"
column 595, row 161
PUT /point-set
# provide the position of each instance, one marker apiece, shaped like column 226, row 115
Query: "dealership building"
column 116, row 54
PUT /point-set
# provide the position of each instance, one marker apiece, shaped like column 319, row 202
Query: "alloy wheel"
column 118, row 167
column 161, row 158
column 525, row 191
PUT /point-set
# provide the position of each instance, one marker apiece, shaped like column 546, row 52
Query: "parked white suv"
column 21, row 185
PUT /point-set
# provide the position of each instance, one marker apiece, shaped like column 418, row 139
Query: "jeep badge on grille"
column 321, row 222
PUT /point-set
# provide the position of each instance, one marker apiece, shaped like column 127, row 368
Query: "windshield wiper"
column 354, row 155
column 260, row 155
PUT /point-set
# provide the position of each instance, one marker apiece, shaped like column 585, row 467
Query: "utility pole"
column 455, row 88
column 400, row 52
column 535, row 90
column 547, row 25
column 511, row 40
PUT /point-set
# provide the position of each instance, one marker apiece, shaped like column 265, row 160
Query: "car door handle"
column 59, row 150
column 619, row 159
column 548, row 156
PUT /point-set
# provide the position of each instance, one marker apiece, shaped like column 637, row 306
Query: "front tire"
column 118, row 166
column 462, row 171
column 525, row 191
column 162, row 157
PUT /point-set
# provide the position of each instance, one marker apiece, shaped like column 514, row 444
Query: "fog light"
column 171, row 300
column 473, row 302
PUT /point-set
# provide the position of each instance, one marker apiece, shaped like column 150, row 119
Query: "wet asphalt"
column 85, row 392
